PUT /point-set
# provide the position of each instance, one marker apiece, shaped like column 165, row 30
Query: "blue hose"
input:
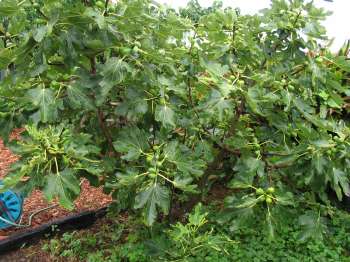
column 11, row 206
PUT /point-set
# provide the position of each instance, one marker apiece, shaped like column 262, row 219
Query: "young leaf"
column 198, row 217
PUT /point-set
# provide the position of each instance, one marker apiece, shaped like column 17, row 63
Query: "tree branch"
column 105, row 12
column 105, row 130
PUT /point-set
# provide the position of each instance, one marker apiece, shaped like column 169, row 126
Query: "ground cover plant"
column 161, row 108
column 199, row 238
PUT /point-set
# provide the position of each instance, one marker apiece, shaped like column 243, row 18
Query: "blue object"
column 11, row 205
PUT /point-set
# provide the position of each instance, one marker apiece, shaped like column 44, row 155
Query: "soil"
column 91, row 198
column 32, row 254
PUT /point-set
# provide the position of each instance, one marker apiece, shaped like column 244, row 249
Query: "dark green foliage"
column 157, row 106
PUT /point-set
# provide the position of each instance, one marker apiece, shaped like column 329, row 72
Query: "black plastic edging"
column 72, row 222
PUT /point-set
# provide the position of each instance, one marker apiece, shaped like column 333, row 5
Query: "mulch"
column 91, row 198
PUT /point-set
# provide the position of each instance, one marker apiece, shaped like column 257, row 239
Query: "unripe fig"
column 271, row 190
column 268, row 200
column 260, row 191
column 100, row 4
column 152, row 175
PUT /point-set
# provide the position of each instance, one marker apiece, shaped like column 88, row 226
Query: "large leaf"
column 44, row 99
column 114, row 71
column 218, row 105
column 78, row 98
column 313, row 226
column 6, row 57
column 340, row 182
column 285, row 198
column 40, row 33
column 152, row 197
column 319, row 163
column 247, row 169
column 9, row 7
column 253, row 97
column 134, row 106
column 246, row 202
column 300, row 105
column 214, row 68
column 64, row 185
column 183, row 159
column 343, row 62
column 165, row 115
column 131, row 142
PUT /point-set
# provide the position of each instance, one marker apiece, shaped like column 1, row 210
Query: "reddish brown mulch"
column 6, row 157
column 91, row 197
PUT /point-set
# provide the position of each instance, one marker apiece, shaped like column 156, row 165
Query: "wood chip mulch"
column 91, row 198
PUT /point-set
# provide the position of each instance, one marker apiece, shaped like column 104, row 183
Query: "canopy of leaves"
column 168, row 102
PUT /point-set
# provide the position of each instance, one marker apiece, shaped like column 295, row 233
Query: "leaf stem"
column 57, row 169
